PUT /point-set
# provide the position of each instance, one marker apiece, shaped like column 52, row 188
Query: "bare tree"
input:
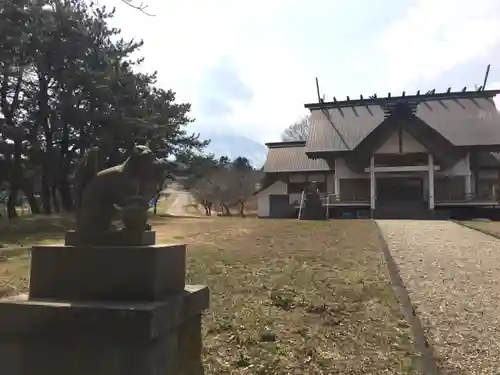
column 204, row 192
column 298, row 131
column 139, row 6
column 237, row 186
column 227, row 186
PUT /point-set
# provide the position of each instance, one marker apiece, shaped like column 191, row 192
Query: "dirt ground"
column 288, row 296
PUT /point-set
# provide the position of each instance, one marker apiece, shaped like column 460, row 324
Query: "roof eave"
column 489, row 148
column 285, row 144
column 299, row 171
column 409, row 98
column 325, row 154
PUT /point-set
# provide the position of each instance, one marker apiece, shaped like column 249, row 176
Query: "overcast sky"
column 249, row 66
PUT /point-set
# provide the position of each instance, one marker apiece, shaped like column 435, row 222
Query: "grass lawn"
column 492, row 227
column 288, row 297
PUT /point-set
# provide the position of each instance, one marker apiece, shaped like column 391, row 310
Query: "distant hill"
column 233, row 145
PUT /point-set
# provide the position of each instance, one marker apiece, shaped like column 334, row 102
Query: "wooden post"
column 336, row 187
column 327, row 213
column 468, row 177
column 372, row 183
column 301, row 204
column 317, row 90
column 431, row 181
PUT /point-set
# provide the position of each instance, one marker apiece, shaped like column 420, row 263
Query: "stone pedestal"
column 107, row 310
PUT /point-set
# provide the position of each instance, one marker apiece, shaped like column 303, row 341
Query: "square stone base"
column 111, row 238
column 97, row 338
column 110, row 273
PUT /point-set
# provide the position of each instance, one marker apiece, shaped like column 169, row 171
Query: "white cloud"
column 435, row 36
column 279, row 46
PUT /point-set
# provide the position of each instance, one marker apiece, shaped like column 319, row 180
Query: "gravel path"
column 452, row 275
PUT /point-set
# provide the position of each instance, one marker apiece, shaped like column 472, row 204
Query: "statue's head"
column 141, row 161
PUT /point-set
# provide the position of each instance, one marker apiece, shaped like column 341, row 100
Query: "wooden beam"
column 432, row 168
column 486, row 76
column 317, row 89
column 422, row 98
column 407, row 168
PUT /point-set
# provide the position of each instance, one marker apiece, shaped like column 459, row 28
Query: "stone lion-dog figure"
column 100, row 196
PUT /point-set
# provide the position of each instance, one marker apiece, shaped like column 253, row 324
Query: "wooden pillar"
column 372, row 183
column 468, row 177
column 431, row 182
column 336, row 188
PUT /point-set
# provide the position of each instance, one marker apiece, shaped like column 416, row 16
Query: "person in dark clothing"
column 313, row 206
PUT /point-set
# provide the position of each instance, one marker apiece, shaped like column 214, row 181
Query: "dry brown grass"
column 491, row 227
column 288, row 297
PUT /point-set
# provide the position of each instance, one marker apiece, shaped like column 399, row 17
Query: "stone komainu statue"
column 99, row 196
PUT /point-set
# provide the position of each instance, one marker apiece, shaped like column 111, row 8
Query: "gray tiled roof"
column 464, row 122
column 353, row 123
column 291, row 157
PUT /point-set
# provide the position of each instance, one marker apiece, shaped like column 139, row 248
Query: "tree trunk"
column 15, row 180
column 43, row 119
column 208, row 207
column 242, row 208
column 28, row 192
column 225, row 210
column 66, row 195
column 55, row 198
column 155, row 209
column 46, row 205
column 11, row 203
column 64, row 157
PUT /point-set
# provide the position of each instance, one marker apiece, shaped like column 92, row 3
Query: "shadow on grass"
column 169, row 216
column 9, row 253
column 34, row 228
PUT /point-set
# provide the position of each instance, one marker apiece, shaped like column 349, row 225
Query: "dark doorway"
column 279, row 206
column 400, row 189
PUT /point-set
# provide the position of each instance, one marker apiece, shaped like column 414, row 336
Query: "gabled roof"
column 439, row 146
column 464, row 119
column 291, row 157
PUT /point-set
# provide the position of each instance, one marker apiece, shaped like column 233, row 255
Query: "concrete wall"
column 408, row 144
column 343, row 171
column 354, row 189
column 486, row 181
column 449, row 188
column 459, row 169
column 277, row 188
column 330, row 183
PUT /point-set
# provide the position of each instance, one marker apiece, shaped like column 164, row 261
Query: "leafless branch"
column 140, row 7
column 298, row 131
